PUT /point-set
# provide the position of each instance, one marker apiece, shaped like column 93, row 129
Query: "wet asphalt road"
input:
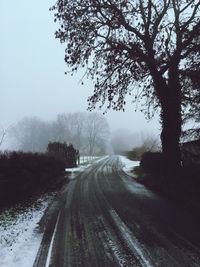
column 106, row 219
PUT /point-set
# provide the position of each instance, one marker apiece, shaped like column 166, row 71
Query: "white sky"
column 32, row 80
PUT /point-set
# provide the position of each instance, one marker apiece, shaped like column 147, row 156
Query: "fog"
column 32, row 69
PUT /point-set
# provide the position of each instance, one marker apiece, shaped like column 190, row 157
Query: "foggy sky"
column 32, row 79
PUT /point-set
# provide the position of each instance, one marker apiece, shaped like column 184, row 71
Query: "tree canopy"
column 144, row 48
column 123, row 43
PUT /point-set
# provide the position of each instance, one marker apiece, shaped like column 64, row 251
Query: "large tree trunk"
column 171, row 123
column 168, row 90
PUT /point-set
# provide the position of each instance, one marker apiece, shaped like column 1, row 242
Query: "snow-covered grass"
column 19, row 238
column 128, row 165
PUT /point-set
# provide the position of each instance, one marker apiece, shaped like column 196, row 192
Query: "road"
column 106, row 219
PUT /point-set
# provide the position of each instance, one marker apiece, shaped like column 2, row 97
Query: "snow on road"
column 85, row 162
column 127, row 165
column 19, row 238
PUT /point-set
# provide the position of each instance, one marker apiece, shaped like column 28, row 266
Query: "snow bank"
column 131, row 185
column 128, row 165
column 19, row 240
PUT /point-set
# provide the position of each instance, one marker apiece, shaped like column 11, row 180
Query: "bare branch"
column 191, row 35
column 124, row 23
column 185, row 25
column 177, row 23
column 159, row 18
column 3, row 133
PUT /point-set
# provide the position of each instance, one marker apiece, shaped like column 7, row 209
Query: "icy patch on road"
column 128, row 165
column 19, row 240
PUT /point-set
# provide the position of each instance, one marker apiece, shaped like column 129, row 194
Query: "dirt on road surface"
column 106, row 219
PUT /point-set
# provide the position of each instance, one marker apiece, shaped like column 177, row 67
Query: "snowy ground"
column 128, row 165
column 19, row 238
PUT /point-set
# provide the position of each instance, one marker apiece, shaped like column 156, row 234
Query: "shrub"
column 63, row 152
column 149, row 145
column 136, row 153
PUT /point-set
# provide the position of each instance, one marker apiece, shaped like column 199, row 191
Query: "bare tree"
column 79, row 120
column 69, row 127
column 31, row 134
column 62, row 128
column 134, row 46
column 87, row 132
column 96, row 132
column 150, row 144
column 3, row 133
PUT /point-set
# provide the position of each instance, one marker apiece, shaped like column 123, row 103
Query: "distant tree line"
column 88, row 132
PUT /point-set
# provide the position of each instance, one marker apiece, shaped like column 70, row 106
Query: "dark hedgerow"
column 26, row 174
column 183, row 187
column 63, row 152
column 153, row 162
